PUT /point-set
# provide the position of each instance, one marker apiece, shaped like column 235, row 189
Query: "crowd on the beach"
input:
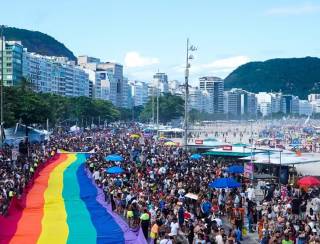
column 166, row 193
column 17, row 167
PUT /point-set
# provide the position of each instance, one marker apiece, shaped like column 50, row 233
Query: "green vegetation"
column 298, row 76
column 38, row 42
column 22, row 104
column 170, row 107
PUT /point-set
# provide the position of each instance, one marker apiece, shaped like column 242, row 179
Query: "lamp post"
column 280, row 151
column 2, row 27
column 251, row 140
column 188, row 57
column 152, row 104
column 158, row 107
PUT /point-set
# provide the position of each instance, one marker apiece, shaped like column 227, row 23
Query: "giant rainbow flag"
column 62, row 207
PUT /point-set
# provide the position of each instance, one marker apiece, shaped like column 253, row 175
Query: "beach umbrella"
column 235, row 169
column 224, row 183
column 115, row 170
column 114, row 157
column 195, row 156
column 170, row 143
column 308, row 181
column 135, row 136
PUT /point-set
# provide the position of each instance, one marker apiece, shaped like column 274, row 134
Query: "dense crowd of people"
column 167, row 194
column 17, row 167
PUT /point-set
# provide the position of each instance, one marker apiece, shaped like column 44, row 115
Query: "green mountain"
column 38, row 42
column 298, row 76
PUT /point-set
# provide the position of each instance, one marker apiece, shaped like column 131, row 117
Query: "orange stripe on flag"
column 29, row 227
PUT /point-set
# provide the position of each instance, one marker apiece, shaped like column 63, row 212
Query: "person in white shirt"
column 96, row 176
column 174, row 227
column 219, row 239
column 250, row 193
column 315, row 202
column 166, row 240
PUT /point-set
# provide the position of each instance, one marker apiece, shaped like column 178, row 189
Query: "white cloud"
column 307, row 8
column 228, row 63
column 134, row 59
column 217, row 67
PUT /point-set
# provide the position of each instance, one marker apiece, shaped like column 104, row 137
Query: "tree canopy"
column 21, row 104
column 170, row 107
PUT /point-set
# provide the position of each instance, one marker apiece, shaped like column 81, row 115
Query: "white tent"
column 74, row 128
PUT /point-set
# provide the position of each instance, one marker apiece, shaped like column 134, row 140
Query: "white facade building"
column 313, row 97
column 276, row 102
column 305, row 107
column 160, row 80
column 55, row 75
column 175, row 87
column 239, row 103
column 200, row 100
column 108, row 82
column 214, row 86
column 139, row 92
column 264, row 103
column 315, row 106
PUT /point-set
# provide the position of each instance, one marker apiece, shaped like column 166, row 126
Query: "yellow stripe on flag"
column 54, row 222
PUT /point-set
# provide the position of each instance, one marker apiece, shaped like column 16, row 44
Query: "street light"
column 280, row 151
column 188, row 57
column 2, row 27
column 152, row 101
column 158, row 107
column 251, row 139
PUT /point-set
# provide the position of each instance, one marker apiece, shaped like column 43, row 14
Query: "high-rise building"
column 122, row 95
column 290, row 104
column 240, row 103
column 12, row 62
column 107, row 76
column 160, row 80
column 314, row 100
column 214, row 86
column 264, row 102
column 276, row 99
column 84, row 60
column 195, row 99
column 305, row 108
column 313, row 97
column 175, row 87
column 200, row 100
column 139, row 92
column 56, row 75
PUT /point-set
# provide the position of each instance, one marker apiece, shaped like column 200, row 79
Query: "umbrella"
column 235, row 169
column 170, row 143
column 196, row 156
column 224, row 183
column 135, row 136
column 309, row 181
column 192, row 196
column 114, row 170
column 114, row 157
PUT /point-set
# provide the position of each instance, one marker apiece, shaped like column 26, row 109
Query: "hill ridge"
column 38, row 42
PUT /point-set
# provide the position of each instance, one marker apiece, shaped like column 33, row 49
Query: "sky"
column 147, row 36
